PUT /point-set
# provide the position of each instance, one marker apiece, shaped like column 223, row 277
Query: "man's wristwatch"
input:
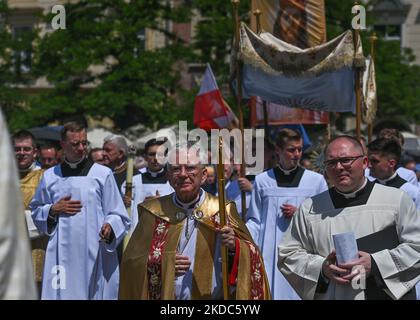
column 51, row 216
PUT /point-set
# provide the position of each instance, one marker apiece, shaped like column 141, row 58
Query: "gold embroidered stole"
column 28, row 184
column 134, row 283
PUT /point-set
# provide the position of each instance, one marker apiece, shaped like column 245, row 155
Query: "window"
column 142, row 39
column 141, row 45
column 389, row 32
column 22, row 56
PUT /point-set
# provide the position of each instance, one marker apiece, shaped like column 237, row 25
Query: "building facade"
column 24, row 16
column 399, row 20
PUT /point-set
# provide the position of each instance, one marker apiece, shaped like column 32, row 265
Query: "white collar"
column 352, row 194
column 384, row 181
column 287, row 172
column 190, row 205
column 155, row 174
column 74, row 165
column 28, row 169
column 119, row 167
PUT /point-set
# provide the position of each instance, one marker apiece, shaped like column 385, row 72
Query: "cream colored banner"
column 370, row 100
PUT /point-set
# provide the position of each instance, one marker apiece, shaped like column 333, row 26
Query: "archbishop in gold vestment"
column 157, row 236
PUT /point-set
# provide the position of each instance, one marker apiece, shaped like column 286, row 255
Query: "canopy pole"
column 373, row 38
column 239, row 102
column 357, row 89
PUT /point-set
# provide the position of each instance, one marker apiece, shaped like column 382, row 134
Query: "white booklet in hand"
column 345, row 247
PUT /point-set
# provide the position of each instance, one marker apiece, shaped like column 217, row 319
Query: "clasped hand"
column 182, row 263
column 344, row 273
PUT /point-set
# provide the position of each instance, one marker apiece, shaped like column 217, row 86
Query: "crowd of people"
column 91, row 239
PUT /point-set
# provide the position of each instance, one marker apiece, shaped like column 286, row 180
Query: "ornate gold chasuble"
column 28, row 183
column 148, row 265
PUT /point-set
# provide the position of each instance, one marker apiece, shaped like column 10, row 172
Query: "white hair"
column 118, row 141
column 189, row 151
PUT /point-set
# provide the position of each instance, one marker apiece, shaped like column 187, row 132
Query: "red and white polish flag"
column 210, row 109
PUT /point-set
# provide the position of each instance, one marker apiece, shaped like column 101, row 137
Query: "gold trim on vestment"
column 133, row 279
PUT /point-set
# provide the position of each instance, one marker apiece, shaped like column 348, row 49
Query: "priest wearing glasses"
column 384, row 222
column 174, row 253
column 78, row 205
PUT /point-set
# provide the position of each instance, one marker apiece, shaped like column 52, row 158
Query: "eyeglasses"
column 345, row 161
column 75, row 144
column 293, row 150
column 190, row 170
column 24, row 149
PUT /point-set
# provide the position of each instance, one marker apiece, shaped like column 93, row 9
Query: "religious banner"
column 370, row 100
column 278, row 115
column 298, row 22
column 318, row 78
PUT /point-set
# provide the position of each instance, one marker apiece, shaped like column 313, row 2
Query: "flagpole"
column 235, row 4
column 356, row 39
column 372, row 39
column 257, row 13
column 222, row 215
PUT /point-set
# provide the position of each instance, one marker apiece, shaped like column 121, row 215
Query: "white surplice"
column 309, row 240
column 77, row 264
column 267, row 224
column 143, row 188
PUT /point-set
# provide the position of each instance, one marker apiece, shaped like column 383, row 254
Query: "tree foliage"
column 98, row 65
column 397, row 82
column 214, row 40
column 12, row 75
column 137, row 85
column 214, row 33
column 396, row 75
